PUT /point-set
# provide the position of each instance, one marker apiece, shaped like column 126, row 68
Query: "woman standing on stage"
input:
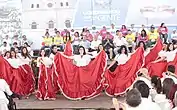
column 45, row 89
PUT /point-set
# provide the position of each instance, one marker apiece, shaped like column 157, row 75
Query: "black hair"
column 6, row 53
column 167, row 85
column 133, row 98
column 143, row 88
column 155, row 80
column 25, row 55
column 117, row 31
column 13, row 50
column 144, row 45
column 66, row 38
column 98, row 50
column 26, row 43
column 145, row 34
column 45, row 55
column 52, row 47
column 121, row 48
column 168, row 47
column 171, row 68
column 83, row 49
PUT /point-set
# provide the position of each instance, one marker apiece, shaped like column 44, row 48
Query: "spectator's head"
column 167, row 84
column 143, row 33
column 43, row 53
column 107, row 35
column 162, row 25
column 170, row 47
column 82, row 50
column 15, row 45
column 143, row 88
column 123, row 50
column 112, row 26
column 100, row 48
column 132, row 25
column 133, row 98
column 58, row 33
column 141, row 44
column 117, row 32
column 76, row 34
column 143, row 26
column 172, row 93
column 26, row 44
column 7, row 54
column 123, row 27
column 156, row 83
column 24, row 37
column 4, row 44
column 13, row 54
column 152, row 28
column 174, row 31
column 47, row 34
column 129, row 32
column 16, row 37
column 171, row 68
column 7, row 36
column 54, row 49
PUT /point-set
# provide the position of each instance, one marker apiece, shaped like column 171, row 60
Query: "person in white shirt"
column 16, row 39
column 170, row 73
column 8, row 40
column 82, row 59
column 134, row 30
column 174, row 36
column 112, row 30
column 143, row 28
column 53, row 52
column 121, row 58
column 4, row 48
column 119, row 41
column 143, row 88
column 95, row 43
column 4, row 87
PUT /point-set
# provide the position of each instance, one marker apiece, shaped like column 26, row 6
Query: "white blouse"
column 82, row 61
column 121, row 58
column 47, row 61
column 170, row 55
column 15, row 63
column 24, row 61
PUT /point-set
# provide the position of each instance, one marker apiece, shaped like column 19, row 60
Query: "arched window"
column 32, row 5
column 34, row 25
column 67, row 4
column 61, row 4
column 51, row 24
column 37, row 6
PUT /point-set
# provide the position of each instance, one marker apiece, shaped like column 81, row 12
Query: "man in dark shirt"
column 108, row 45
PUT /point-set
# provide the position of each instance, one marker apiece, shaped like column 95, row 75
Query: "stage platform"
column 61, row 103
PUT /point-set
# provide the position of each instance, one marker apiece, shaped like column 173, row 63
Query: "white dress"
column 121, row 58
column 24, row 61
column 15, row 63
column 82, row 61
column 170, row 55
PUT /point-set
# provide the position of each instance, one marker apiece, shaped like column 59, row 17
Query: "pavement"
column 61, row 103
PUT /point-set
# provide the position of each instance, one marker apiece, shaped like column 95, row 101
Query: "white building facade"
column 39, row 15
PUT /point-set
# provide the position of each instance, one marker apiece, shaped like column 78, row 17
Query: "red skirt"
column 46, row 89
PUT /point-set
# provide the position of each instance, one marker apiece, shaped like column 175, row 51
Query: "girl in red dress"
column 45, row 84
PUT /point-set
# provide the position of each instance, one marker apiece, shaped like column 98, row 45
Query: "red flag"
column 123, row 77
column 153, row 54
column 68, row 49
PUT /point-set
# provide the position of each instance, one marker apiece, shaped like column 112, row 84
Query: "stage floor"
column 102, row 101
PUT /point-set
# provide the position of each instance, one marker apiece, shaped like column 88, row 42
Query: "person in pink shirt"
column 143, row 37
column 84, row 32
column 124, row 30
column 103, row 32
column 63, row 33
column 89, row 36
column 163, row 31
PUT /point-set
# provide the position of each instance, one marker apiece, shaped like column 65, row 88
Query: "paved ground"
column 102, row 101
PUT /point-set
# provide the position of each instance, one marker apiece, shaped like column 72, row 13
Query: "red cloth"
column 157, row 69
column 163, row 30
column 153, row 54
column 5, row 70
column 46, row 90
column 23, row 81
column 68, row 49
column 80, row 82
column 123, row 77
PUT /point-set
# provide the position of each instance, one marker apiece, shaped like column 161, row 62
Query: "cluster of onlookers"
column 111, row 39
column 151, row 93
